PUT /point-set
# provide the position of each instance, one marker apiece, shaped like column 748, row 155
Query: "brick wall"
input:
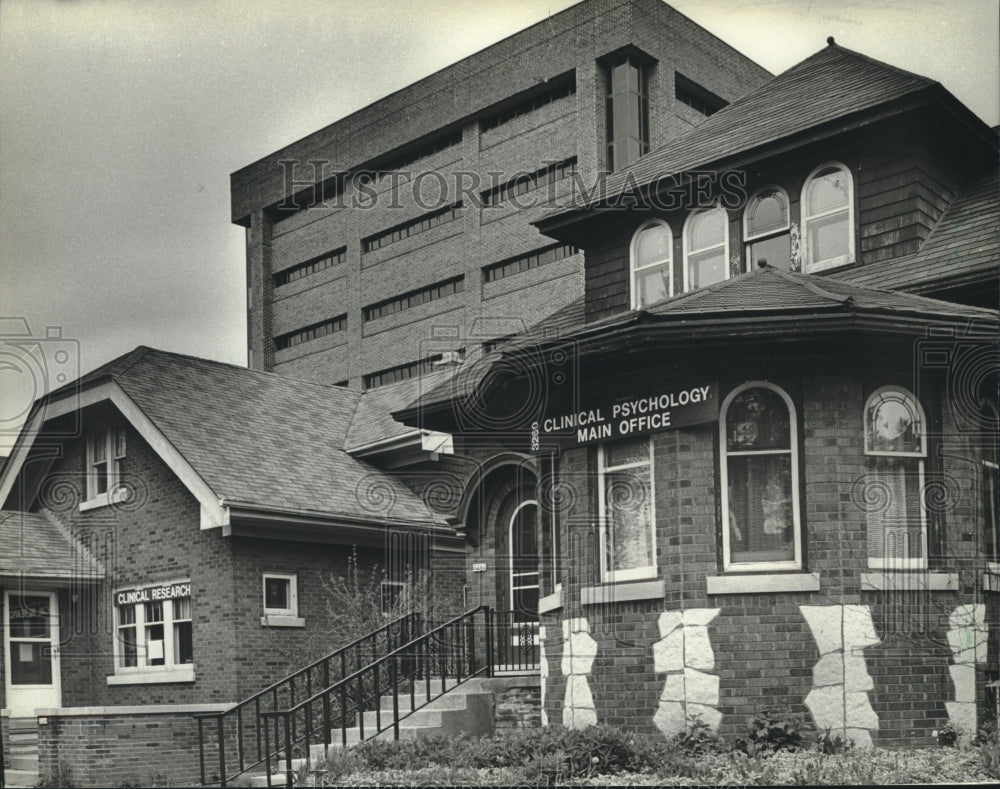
column 764, row 649
column 120, row 748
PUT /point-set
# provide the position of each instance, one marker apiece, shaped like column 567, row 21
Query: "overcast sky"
column 121, row 121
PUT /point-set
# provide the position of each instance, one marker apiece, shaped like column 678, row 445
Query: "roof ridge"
column 242, row 369
column 805, row 281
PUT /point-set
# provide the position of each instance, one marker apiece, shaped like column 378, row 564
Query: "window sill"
column 622, row 592
column 763, row 583
column 903, row 581
column 282, row 620
column 175, row 675
column 104, row 500
column 551, row 602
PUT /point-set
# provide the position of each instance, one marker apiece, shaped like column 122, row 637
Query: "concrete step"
column 15, row 779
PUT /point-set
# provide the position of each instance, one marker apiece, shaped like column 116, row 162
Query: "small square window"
column 280, row 594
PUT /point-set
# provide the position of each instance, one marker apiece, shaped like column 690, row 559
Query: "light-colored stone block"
column 668, row 622
column 829, row 670
column 673, row 688
column 859, row 713
column 697, row 648
column 668, row 652
column 963, row 675
column 825, row 623
column 669, row 718
column 962, row 715
column 827, row 706
column 859, row 630
column 862, row 739
column 856, row 676
column 709, row 715
column 700, row 688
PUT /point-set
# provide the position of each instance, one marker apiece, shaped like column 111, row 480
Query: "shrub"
column 698, row 738
column 988, row 739
column 770, row 733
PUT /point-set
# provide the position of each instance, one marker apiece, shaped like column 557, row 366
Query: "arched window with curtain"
column 828, row 218
column 760, row 479
column 651, row 264
column 766, row 229
column 706, row 248
column 895, row 451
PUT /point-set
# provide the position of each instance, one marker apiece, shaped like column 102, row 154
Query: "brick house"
column 763, row 482
column 745, row 460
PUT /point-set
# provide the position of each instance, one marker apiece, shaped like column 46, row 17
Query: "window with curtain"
column 628, row 527
column 651, row 257
column 760, row 479
column 895, row 451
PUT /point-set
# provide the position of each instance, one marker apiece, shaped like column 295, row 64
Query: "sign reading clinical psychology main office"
column 630, row 415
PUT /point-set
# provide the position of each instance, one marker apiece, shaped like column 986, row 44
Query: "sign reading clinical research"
column 150, row 594
column 630, row 415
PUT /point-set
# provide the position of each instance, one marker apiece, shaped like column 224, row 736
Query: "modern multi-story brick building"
column 744, row 458
column 411, row 218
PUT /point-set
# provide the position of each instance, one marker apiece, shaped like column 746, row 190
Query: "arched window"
column 523, row 542
column 766, row 229
column 895, row 450
column 828, row 218
column 760, row 479
column 651, row 258
column 991, row 486
column 706, row 248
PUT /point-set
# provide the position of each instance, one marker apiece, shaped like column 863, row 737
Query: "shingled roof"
column 35, row 546
column 964, row 246
column 260, row 439
column 828, row 86
column 758, row 299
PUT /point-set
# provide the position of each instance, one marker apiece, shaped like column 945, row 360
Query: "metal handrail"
column 269, row 696
column 451, row 645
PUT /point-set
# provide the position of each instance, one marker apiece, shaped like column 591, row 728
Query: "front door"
column 31, row 652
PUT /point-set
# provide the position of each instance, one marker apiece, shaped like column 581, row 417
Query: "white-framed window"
column 105, row 450
column 895, row 452
column 281, row 594
column 627, row 510
column 393, row 594
column 651, row 264
column 828, row 217
column 766, row 229
column 153, row 634
column 760, row 479
column 706, row 248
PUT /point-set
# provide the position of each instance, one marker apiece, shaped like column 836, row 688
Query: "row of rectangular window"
column 402, row 372
column 320, row 329
column 520, row 263
column 412, row 228
column 414, row 298
column 309, row 267
column 700, row 99
column 527, row 182
column 307, row 198
column 560, row 91
column 429, row 149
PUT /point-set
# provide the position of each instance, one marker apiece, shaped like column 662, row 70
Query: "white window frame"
column 688, row 251
column 842, row 260
column 293, row 594
column 724, row 454
column 634, row 573
column 510, row 543
column 144, row 673
column 921, row 455
column 113, row 440
column 401, row 585
column 635, row 269
column 990, row 464
column 749, row 239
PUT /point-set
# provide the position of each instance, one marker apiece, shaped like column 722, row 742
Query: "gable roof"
column 964, row 246
column 260, row 440
column 36, row 546
column 829, row 86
